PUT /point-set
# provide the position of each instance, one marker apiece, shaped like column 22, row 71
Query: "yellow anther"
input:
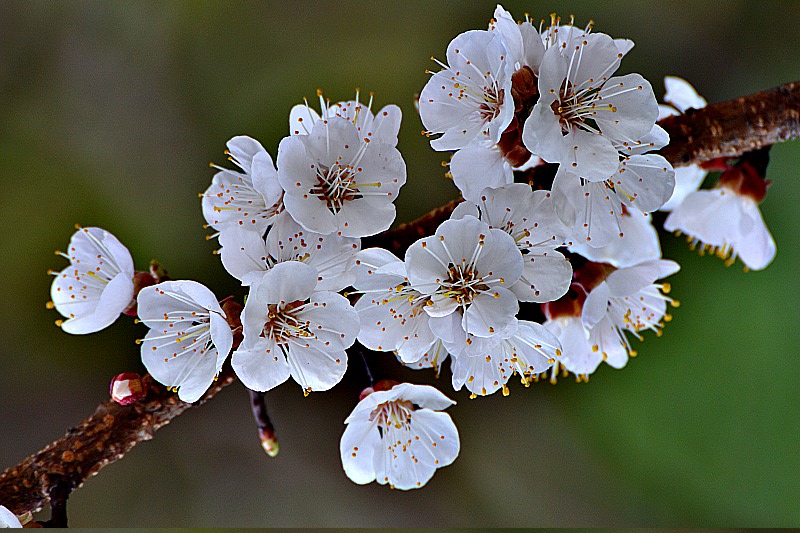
column 50, row 305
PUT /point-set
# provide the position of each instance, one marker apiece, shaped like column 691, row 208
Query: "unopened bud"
column 366, row 392
column 268, row 441
column 127, row 388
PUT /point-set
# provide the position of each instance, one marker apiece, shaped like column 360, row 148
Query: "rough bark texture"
column 727, row 129
column 103, row 438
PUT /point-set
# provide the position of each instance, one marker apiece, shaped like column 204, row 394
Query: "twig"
column 727, row 129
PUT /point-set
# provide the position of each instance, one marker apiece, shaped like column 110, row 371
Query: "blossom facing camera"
column 399, row 436
column 97, row 286
column 466, row 269
column 127, row 388
column 338, row 181
column 471, row 97
column 292, row 329
column 189, row 338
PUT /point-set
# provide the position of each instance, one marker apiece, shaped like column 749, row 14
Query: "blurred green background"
column 109, row 115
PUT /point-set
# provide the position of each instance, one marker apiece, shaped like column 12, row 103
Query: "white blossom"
column 251, row 197
column 399, row 437
column 471, row 97
column 628, row 299
column 485, row 365
column 465, row 268
column 726, row 223
column 529, row 217
column 582, row 112
column 189, row 338
column 292, row 329
column 97, row 286
column 337, row 181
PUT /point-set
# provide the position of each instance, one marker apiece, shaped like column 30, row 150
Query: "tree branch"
column 727, row 129
column 101, row 439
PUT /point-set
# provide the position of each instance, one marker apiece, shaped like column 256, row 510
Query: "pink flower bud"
column 127, row 388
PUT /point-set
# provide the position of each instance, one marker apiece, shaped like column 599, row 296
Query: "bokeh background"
column 109, row 115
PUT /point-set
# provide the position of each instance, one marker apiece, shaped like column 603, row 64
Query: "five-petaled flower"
column 399, row 436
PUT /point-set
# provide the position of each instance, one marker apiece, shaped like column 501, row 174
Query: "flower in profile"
column 466, row 269
column 189, row 338
column 8, row 519
column 397, row 435
column 679, row 97
column 470, row 98
column 624, row 299
column 250, row 197
column 291, row 329
column 726, row 220
column 564, row 321
column 485, row 365
column 97, row 286
column 337, row 181
column 582, row 112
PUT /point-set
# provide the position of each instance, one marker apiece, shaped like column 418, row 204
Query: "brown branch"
column 727, row 129
column 101, row 439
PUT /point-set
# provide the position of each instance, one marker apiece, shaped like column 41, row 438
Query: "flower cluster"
column 529, row 278
column 512, row 96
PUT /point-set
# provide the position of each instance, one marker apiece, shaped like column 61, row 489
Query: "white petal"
column 222, row 337
column 243, row 148
column 545, row 277
column 262, row 367
column 477, row 166
column 687, row 180
column 438, row 436
column 681, row 94
column 757, row 249
column 302, row 119
column 645, row 181
column 243, row 251
column 635, row 107
column 314, row 367
column 8, row 519
column 595, row 308
column 490, row 312
column 360, row 441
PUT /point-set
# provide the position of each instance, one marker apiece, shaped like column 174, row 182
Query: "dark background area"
column 109, row 115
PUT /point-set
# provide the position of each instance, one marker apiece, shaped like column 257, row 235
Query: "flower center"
column 395, row 414
column 283, row 324
column 337, row 185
